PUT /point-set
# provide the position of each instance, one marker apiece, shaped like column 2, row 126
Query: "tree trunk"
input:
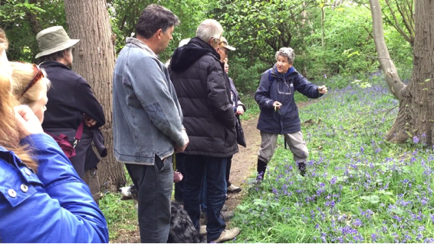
column 94, row 59
column 415, row 115
column 422, row 88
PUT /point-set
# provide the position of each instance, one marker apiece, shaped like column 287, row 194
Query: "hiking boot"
column 226, row 216
column 233, row 188
column 302, row 168
column 202, row 230
column 227, row 235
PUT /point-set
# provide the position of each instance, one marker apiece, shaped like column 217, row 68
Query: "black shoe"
column 302, row 168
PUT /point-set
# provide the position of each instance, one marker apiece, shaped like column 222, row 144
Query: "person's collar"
column 53, row 63
column 275, row 73
column 142, row 45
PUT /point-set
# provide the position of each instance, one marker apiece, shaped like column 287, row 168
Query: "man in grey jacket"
column 147, row 120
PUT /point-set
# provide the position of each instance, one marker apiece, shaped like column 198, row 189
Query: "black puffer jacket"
column 204, row 94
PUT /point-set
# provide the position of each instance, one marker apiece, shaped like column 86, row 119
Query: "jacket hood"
column 275, row 74
column 187, row 55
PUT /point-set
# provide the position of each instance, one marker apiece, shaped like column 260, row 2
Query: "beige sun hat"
column 52, row 40
column 225, row 44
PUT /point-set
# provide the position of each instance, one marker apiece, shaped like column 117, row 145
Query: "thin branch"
column 406, row 21
column 396, row 25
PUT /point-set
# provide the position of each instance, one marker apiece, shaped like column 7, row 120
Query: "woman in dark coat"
column 279, row 113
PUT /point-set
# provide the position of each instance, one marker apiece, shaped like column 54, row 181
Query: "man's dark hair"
column 153, row 18
column 54, row 56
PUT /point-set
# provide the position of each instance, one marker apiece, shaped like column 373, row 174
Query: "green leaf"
column 373, row 199
column 259, row 202
column 397, row 210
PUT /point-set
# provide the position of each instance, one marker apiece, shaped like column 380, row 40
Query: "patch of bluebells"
column 341, row 173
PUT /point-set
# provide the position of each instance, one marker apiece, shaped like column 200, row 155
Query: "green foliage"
column 256, row 28
column 246, row 78
column 120, row 215
column 22, row 20
column 349, row 48
column 124, row 15
column 358, row 187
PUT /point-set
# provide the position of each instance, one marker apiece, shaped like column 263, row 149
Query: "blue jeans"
column 154, row 187
column 203, row 188
column 214, row 168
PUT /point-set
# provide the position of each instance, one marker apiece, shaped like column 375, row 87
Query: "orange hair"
column 9, row 130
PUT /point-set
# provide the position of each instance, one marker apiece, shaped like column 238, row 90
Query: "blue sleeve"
column 262, row 95
column 306, row 88
column 67, row 211
column 150, row 86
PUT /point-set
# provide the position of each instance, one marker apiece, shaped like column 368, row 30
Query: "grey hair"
column 286, row 52
column 208, row 29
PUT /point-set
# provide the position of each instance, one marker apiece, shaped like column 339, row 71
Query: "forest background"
column 333, row 41
column 331, row 38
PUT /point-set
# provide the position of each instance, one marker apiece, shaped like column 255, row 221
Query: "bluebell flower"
column 374, row 237
column 357, row 223
column 333, row 180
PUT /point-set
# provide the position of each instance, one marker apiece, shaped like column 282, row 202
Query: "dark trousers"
column 179, row 186
column 228, row 170
column 78, row 162
column 214, row 168
column 154, row 187
column 80, row 154
column 203, row 188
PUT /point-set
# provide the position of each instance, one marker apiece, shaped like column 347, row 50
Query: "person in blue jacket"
column 42, row 199
column 279, row 113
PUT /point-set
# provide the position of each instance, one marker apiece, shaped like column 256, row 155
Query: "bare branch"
column 396, row 25
column 388, row 67
column 407, row 21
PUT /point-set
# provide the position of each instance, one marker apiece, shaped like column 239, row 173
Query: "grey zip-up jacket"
column 147, row 118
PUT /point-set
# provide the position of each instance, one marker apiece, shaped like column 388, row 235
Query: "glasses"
column 38, row 75
column 281, row 89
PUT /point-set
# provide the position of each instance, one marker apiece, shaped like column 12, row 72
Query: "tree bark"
column 94, row 59
column 422, row 87
column 415, row 116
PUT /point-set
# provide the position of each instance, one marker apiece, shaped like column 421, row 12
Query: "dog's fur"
column 181, row 227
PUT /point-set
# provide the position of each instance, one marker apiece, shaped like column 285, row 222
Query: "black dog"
column 181, row 227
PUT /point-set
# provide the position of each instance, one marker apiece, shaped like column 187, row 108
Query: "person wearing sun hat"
column 71, row 102
column 239, row 109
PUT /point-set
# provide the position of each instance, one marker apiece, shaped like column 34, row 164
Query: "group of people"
column 186, row 112
column 40, row 189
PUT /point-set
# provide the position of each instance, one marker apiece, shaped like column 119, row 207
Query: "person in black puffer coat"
column 203, row 92
column 279, row 113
